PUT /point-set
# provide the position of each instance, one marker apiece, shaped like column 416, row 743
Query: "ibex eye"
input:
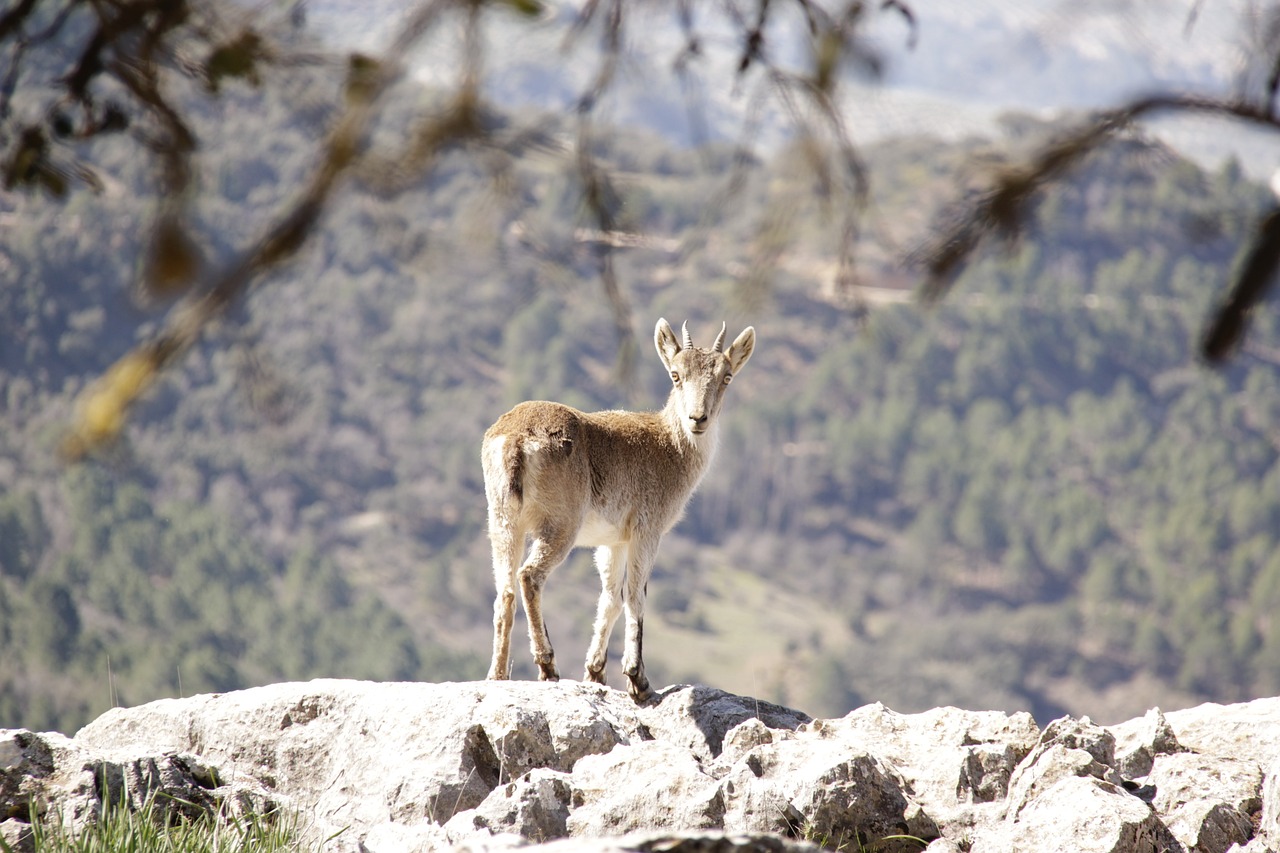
column 675, row 377
column 727, row 378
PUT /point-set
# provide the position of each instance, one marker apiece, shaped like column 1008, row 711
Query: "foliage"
column 148, row 601
column 143, row 66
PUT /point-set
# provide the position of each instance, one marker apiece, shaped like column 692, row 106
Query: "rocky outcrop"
column 489, row 766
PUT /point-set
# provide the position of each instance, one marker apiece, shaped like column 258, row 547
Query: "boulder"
column 697, row 718
column 958, row 763
column 1139, row 742
column 1080, row 814
column 644, row 786
column 51, row 778
column 817, row 781
column 655, row 842
column 804, row 788
column 1208, row 803
column 38, row 771
column 1245, row 731
column 535, row 807
column 360, row 753
column 1067, row 748
column 1269, row 825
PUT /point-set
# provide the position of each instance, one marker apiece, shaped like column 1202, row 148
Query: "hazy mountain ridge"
column 951, row 71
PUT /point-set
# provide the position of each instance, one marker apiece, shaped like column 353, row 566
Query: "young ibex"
column 615, row 481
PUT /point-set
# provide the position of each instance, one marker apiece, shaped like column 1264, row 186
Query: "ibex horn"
column 688, row 341
column 719, row 347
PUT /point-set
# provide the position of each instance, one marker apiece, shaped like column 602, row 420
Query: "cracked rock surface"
column 568, row 766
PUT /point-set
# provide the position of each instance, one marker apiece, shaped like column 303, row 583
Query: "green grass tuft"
column 154, row 829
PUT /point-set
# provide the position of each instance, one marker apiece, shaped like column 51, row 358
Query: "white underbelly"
column 597, row 531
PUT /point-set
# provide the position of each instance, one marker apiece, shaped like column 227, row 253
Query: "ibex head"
column 700, row 376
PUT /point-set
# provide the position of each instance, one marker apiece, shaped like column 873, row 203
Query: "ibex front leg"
column 611, row 562
column 636, row 589
column 547, row 552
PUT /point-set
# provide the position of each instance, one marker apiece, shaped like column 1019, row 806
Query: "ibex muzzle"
column 614, row 481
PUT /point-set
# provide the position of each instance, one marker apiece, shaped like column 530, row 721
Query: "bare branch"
column 1004, row 209
column 1257, row 275
column 103, row 408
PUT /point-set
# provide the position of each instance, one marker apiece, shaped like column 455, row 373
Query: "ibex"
column 614, row 481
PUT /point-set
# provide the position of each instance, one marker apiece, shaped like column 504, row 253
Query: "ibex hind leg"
column 507, row 542
column 504, row 614
column 546, row 552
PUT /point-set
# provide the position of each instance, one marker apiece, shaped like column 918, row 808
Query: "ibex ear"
column 740, row 350
column 666, row 341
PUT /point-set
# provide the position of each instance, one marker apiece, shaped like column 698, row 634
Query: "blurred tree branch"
column 1004, row 209
column 135, row 58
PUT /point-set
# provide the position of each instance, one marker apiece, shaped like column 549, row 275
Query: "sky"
column 951, row 70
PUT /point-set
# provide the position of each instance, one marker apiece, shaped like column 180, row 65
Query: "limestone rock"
column 40, row 770
column 16, row 834
column 950, row 764
column 1269, row 825
column 1208, row 803
column 505, row 765
column 643, row 786
column 534, row 807
column 46, row 777
column 1067, row 748
column 790, row 787
column 944, row 845
column 68, row 785
column 959, row 763
column 698, row 718
column 803, row 785
column 404, row 838
column 1080, row 734
column 1140, row 741
column 1080, row 814
column 660, row 842
column 358, row 753
column 1247, row 731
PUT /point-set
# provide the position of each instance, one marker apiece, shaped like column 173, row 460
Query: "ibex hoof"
column 595, row 676
column 639, row 690
column 547, row 672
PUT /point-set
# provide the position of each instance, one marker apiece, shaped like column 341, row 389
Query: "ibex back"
column 614, row 481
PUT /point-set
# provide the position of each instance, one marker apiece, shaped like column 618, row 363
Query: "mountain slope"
column 1031, row 497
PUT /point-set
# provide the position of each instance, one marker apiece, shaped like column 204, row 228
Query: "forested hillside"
column 1032, row 497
